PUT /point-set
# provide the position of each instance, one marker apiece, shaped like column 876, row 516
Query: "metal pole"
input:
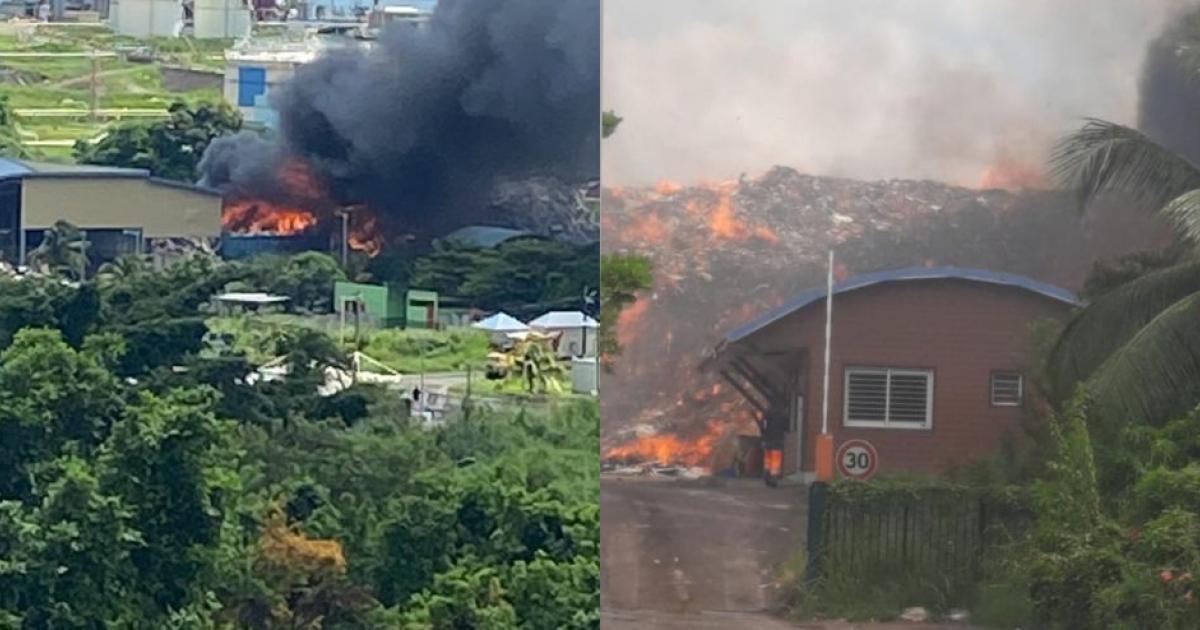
column 95, row 88
column 828, row 334
column 345, row 238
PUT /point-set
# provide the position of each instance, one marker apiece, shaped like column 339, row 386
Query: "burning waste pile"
column 487, row 116
column 726, row 252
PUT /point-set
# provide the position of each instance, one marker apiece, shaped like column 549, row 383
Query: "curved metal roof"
column 897, row 275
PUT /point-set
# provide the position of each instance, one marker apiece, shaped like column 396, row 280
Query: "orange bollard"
column 824, row 459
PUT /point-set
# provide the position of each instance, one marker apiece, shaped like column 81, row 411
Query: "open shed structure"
column 927, row 364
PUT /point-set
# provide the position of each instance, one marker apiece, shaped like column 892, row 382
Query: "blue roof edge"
column 805, row 298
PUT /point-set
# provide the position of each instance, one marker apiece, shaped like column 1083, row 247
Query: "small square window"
column 1007, row 389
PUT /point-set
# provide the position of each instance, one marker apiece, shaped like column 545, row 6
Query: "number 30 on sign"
column 857, row 459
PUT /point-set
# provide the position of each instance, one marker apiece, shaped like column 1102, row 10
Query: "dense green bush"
column 146, row 485
column 1116, row 557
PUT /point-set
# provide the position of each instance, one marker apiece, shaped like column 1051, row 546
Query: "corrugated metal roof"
column 896, row 275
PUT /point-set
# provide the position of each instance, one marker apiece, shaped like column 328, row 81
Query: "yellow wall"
column 160, row 211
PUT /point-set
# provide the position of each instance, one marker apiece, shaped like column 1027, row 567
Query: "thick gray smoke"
column 916, row 89
column 1169, row 103
column 423, row 125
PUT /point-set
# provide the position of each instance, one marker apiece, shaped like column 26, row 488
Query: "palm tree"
column 63, row 251
column 122, row 268
column 1136, row 347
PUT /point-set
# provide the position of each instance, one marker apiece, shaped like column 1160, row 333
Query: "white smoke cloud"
column 926, row 89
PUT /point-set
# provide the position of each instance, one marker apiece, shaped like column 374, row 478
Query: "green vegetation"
column 406, row 351
column 609, row 123
column 622, row 277
column 145, row 482
column 170, row 148
column 66, row 83
column 519, row 276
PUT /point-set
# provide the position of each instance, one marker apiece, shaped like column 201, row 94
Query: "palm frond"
column 1184, row 214
column 1107, row 157
column 1113, row 319
column 1157, row 374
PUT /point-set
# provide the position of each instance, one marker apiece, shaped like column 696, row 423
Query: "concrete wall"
column 188, row 79
column 962, row 331
column 220, row 19
column 146, row 18
column 160, row 211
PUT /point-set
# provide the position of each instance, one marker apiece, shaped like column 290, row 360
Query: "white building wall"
column 146, row 18
column 220, row 19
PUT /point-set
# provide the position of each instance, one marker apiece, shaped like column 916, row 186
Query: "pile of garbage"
column 726, row 252
column 549, row 207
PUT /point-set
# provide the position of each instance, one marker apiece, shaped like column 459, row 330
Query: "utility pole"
column 345, row 214
column 95, row 85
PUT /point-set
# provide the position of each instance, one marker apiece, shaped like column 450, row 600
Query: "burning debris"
column 428, row 130
column 726, row 252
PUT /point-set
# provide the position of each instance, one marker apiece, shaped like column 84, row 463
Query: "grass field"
column 406, row 351
column 65, row 83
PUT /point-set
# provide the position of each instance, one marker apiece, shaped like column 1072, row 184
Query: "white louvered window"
column 890, row 398
column 1007, row 389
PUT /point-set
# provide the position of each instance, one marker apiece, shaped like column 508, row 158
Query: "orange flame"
column 667, row 187
column 722, row 222
column 255, row 216
column 669, row 449
column 1010, row 173
column 648, row 228
column 627, row 328
column 365, row 235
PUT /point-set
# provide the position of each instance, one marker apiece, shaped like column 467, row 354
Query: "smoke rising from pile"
column 423, row 125
column 921, row 89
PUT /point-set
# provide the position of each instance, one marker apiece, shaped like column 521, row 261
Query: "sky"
column 870, row 89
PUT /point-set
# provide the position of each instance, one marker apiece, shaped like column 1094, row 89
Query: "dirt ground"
column 677, row 555
column 694, row 554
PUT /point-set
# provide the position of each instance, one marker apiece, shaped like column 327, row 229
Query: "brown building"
column 928, row 365
column 120, row 210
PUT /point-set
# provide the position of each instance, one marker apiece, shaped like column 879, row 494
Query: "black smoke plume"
column 423, row 125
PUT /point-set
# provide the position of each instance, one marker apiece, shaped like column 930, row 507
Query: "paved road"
column 694, row 554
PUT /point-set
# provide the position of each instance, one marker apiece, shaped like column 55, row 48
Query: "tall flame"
column 256, row 216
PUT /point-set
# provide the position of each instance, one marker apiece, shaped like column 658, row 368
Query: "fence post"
column 818, row 497
column 983, row 534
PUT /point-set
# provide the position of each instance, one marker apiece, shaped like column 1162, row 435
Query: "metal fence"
column 894, row 533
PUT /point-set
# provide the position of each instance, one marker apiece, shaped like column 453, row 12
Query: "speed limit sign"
column 857, row 459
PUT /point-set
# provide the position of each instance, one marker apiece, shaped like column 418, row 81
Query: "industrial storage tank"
column 146, row 18
column 220, row 19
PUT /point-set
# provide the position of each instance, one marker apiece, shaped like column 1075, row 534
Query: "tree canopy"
column 170, row 149
column 146, row 485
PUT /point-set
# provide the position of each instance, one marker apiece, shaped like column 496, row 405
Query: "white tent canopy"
column 501, row 323
column 564, row 319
